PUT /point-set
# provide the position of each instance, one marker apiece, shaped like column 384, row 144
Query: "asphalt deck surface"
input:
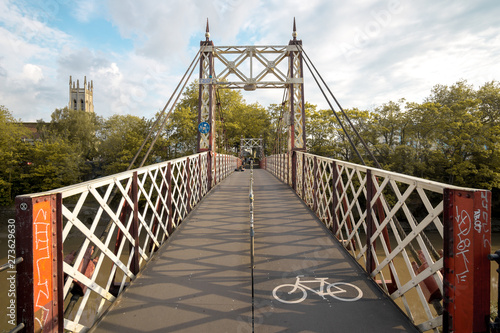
column 201, row 280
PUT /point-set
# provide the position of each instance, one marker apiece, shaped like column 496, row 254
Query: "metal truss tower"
column 206, row 104
column 251, row 68
column 249, row 144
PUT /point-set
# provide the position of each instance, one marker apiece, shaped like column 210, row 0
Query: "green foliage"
column 11, row 142
column 46, row 165
column 77, row 128
column 121, row 137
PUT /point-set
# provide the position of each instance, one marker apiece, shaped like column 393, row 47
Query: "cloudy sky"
column 369, row 51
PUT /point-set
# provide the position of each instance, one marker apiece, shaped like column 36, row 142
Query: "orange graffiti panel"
column 42, row 261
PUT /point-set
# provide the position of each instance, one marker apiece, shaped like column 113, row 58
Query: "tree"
column 47, row 165
column 361, row 120
column 463, row 139
column 246, row 120
column 322, row 132
column 76, row 127
column 12, row 134
column 121, row 137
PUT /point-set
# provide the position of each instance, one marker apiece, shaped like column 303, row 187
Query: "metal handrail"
column 8, row 265
column 360, row 205
column 138, row 210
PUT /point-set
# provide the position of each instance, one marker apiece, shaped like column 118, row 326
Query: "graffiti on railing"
column 463, row 222
column 482, row 218
column 42, row 244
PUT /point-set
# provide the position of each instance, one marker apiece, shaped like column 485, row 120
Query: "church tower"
column 81, row 98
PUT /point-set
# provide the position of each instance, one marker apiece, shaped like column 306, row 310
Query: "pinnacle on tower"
column 207, row 33
column 294, row 34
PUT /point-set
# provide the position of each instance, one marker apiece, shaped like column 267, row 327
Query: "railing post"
column 39, row 276
column 370, row 228
column 279, row 169
column 209, row 170
column 216, row 169
column 335, row 200
column 281, row 162
column 303, row 174
column 200, row 179
column 315, row 186
column 134, row 265
column 467, row 243
column 294, row 170
column 286, row 167
column 169, row 199
column 188, row 176
column 285, row 160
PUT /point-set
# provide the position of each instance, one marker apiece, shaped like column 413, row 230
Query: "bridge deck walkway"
column 201, row 280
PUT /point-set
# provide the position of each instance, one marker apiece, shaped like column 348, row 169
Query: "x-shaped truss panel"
column 251, row 143
column 252, row 67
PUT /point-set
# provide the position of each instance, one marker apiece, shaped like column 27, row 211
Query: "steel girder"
column 251, row 68
column 250, row 143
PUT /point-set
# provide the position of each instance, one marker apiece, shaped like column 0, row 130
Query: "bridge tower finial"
column 207, row 34
column 294, row 34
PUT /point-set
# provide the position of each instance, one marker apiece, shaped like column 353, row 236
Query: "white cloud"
column 29, row 52
column 32, row 73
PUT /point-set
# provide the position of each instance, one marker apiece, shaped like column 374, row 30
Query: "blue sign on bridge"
column 204, row 127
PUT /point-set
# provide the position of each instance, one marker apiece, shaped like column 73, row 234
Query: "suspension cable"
column 190, row 70
column 335, row 113
column 368, row 150
column 162, row 113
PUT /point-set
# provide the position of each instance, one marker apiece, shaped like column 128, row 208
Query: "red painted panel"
column 467, row 269
column 464, row 262
column 42, row 265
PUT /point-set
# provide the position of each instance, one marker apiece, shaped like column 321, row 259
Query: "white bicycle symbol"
column 296, row 293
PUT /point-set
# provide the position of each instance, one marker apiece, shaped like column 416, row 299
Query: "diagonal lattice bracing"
column 241, row 67
column 392, row 224
column 112, row 226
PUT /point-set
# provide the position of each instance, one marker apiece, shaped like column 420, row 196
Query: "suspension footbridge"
column 304, row 243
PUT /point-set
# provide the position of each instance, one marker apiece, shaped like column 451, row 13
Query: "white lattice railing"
column 425, row 243
column 86, row 242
